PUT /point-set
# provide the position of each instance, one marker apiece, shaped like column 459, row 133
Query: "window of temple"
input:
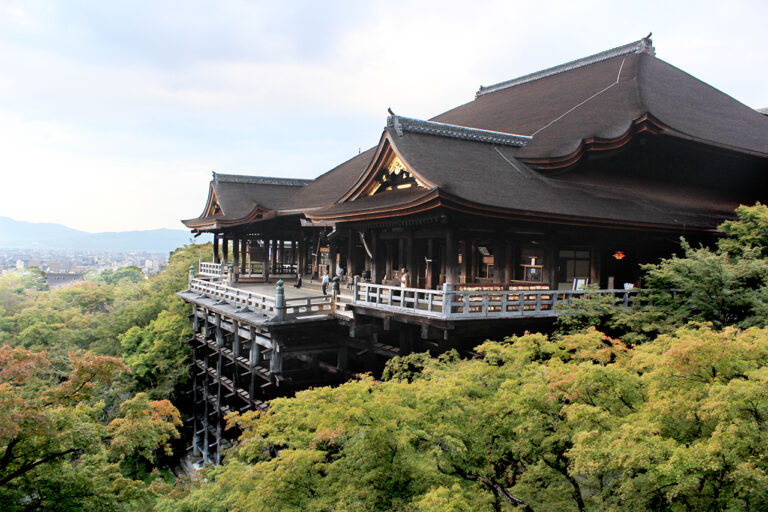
column 572, row 264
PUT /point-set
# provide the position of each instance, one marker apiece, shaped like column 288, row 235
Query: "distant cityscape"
column 72, row 261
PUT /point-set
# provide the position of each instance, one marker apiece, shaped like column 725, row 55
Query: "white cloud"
column 113, row 114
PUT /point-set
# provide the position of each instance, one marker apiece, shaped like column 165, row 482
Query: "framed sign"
column 580, row 283
column 533, row 273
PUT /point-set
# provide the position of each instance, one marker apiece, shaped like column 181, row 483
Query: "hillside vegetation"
column 663, row 407
column 87, row 378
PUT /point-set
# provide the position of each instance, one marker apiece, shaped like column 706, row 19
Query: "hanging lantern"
column 619, row 255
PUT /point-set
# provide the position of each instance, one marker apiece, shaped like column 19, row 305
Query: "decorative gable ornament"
column 394, row 176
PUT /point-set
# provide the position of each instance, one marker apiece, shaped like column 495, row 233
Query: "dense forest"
column 662, row 407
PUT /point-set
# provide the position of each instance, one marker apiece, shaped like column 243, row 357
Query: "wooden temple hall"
column 472, row 224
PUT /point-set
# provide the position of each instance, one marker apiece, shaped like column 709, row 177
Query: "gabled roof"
column 236, row 199
column 486, row 178
column 601, row 99
column 492, row 155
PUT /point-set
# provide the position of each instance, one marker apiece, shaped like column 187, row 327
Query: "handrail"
column 463, row 304
column 275, row 306
column 210, row 269
column 397, row 298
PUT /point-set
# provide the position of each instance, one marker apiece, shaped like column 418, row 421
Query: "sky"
column 113, row 114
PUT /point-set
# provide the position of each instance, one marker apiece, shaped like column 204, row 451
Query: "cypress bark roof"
column 500, row 151
column 234, row 199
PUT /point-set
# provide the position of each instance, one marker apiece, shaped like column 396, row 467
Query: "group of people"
column 326, row 279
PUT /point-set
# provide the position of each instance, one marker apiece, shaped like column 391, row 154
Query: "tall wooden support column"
column 235, row 354
column 550, row 261
column 332, row 256
column 281, row 256
column 466, row 260
column 294, row 245
column 225, row 249
column 195, row 398
column 410, row 257
column 499, row 266
column 219, row 368
column 216, row 248
column 235, row 258
column 388, row 270
column 303, row 254
column 265, row 262
column 376, row 263
column 429, row 269
column 253, row 360
column 253, row 251
column 243, row 256
column 509, row 269
column 206, row 402
column 274, row 255
column 342, row 358
column 276, row 358
column 351, row 270
column 451, row 258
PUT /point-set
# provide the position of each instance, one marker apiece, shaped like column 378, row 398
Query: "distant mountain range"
column 16, row 234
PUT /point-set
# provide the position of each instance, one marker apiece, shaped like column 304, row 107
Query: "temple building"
column 494, row 210
column 583, row 170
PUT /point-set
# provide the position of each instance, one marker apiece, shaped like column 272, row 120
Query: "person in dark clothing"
column 298, row 281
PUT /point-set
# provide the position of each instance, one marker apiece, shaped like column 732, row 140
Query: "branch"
column 497, row 488
column 28, row 467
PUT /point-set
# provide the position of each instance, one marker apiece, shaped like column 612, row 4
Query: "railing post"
column 191, row 274
column 447, row 299
column 280, row 301
column 354, row 289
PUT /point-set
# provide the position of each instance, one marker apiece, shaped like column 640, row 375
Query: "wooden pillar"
column 225, row 249
column 253, row 253
column 451, row 257
column 216, row 248
column 243, row 256
column 375, row 259
column 236, row 257
column 429, row 270
column 350, row 255
column 281, row 256
column 294, row 246
column 253, row 360
column 550, row 262
column 509, row 269
column 332, row 253
column 276, row 359
column 388, row 270
column 273, row 254
column 302, row 254
column 342, row 358
column 466, row 260
column 410, row 258
column 498, row 262
column 265, row 263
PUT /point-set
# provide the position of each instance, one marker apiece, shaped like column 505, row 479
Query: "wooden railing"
column 468, row 305
column 523, row 303
column 396, row 298
column 209, row 269
column 274, row 306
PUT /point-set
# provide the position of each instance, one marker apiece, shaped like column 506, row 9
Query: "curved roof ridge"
column 260, row 180
column 640, row 46
column 400, row 124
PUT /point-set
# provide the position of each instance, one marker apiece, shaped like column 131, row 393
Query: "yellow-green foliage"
column 581, row 422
